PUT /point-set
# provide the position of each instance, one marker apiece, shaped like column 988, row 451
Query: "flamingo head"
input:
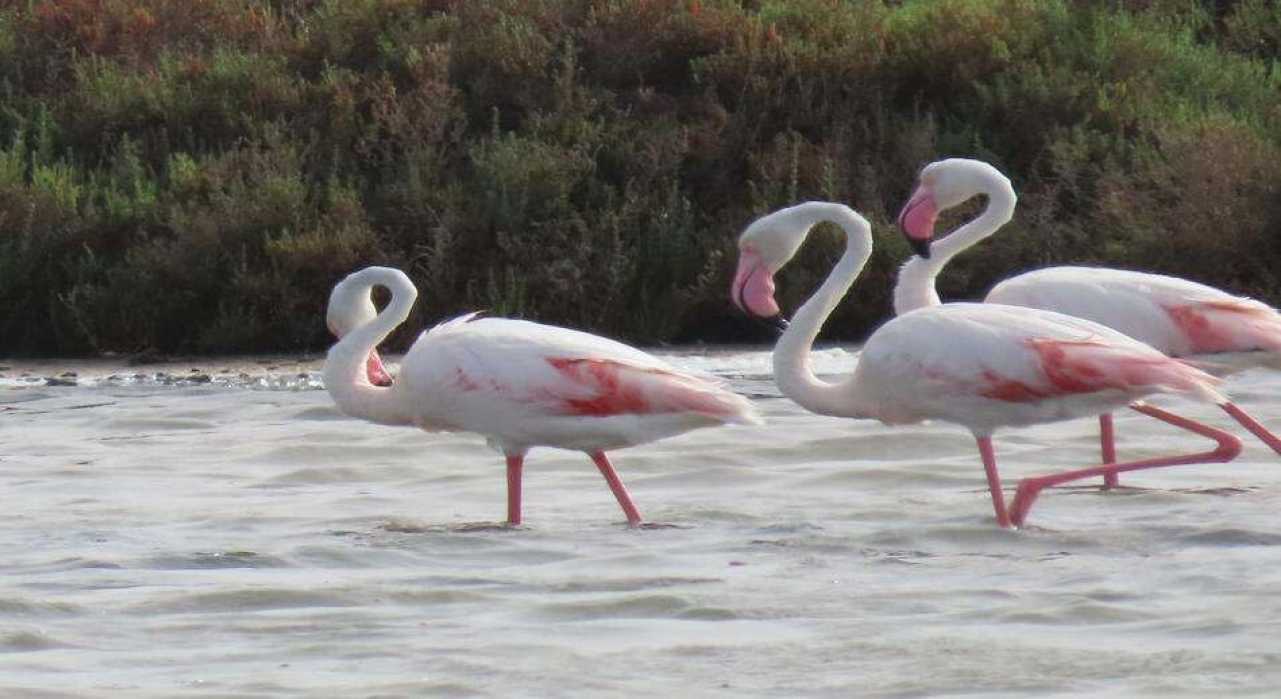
column 763, row 248
column 941, row 186
column 350, row 306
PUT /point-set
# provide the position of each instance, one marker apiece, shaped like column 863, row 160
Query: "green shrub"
column 194, row 175
column 1254, row 28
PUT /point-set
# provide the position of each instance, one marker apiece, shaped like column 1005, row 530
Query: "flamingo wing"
column 599, row 387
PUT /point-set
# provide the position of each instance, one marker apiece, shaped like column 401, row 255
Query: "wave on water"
column 28, row 641
column 299, row 381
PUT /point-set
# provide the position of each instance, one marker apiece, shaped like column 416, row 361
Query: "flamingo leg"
column 616, row 485
column 514, row 465
column 993, row 481
column 1107, row 439
column 1253, row 426
column 1228, row 448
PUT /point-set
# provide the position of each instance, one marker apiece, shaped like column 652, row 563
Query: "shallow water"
column 234, row 536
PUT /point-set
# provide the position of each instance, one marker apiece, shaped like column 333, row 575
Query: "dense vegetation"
column 194, row 175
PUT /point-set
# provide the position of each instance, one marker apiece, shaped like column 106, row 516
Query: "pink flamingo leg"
column 1107, row 439
column 514, row 465
column 616, row 485
column 993, row 481
column 1228, row 448
column 1253, row 426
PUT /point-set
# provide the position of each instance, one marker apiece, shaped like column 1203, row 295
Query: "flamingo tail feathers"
column 1225, row 326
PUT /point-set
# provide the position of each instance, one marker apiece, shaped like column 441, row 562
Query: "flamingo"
column 517, row 383
column 1177, row 317
column 981, row 366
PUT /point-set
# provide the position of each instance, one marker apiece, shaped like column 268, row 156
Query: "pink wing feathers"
column 1227, row 325
column 1177, row 316
column 602, row 387
column 1087, row 366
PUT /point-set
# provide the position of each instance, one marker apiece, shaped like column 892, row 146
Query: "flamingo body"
column 524, row 384
column 1176, row 316
column 987, row 366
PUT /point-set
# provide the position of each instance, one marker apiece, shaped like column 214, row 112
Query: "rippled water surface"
column 221, row 531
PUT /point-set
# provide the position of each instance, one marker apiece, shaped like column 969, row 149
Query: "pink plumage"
column 1085, row 366
column 616, row 388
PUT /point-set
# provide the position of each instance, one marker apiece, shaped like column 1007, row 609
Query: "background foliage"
column 194, row 175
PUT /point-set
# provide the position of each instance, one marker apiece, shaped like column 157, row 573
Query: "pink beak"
column 753, row 288
column 917, row 220
column 378, row 375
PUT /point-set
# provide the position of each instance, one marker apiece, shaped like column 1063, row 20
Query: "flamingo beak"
column 917, row 220
column 776, row 323
column 377, row 373
column 753, row 291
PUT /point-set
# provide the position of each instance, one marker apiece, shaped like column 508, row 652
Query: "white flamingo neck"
column 915, row 287
column 346, row 374
column 792, row 370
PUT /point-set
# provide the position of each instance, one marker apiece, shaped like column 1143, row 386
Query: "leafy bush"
column 194, row 175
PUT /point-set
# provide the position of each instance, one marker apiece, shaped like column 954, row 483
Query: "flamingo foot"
column 1255, row 428
column 1227, row 449
column 617, row 487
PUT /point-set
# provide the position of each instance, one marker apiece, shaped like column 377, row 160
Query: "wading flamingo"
column 520, row 384
column 982, row 366
column 1177, row 317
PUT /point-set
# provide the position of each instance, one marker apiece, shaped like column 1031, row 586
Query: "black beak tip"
column 920, row 247
column 776, row 322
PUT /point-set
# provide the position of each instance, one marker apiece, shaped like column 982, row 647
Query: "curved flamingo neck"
column 792, row 370
column 346, row 377
column 915, row 287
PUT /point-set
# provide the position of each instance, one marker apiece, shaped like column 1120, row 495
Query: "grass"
column 194, row 175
